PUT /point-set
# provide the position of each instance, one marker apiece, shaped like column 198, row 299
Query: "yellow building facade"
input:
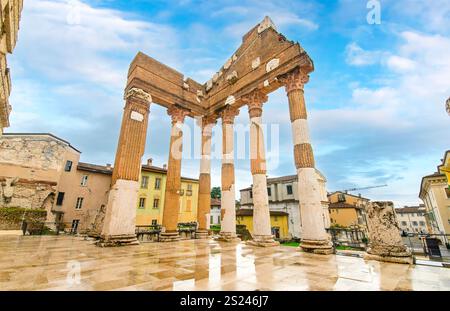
column 278, row 222
column 150, row 203
column 444, row 168
column 347, row 210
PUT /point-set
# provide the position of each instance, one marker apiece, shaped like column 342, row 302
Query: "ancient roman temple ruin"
column 264, row 62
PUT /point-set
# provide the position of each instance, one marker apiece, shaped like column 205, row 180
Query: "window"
column 79, row 203
column 275, row 218
column 157, row 183
column 141, row 202
column 269, row 191
column 154, row 222
column 251, row 194
column 144, row 182
column 341, row 197
column 414, row 223
column 289, row 189
column 84, row 179
column 68, row 167
column 211, row 219
column 447, row 192
column 155, row 203
column 74, row 228
column 189, row 190
column 60, row 198
column 403, row 223
column 422, row 223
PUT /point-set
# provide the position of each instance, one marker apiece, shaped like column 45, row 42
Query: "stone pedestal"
column 117, row 240
column 228, row 237
column 385, row 242
column 322, row 247
column 201, row 234
column 120, row 219
column 263, row 241
column 169, row 237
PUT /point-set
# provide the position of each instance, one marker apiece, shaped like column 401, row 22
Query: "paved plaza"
column 53, row 262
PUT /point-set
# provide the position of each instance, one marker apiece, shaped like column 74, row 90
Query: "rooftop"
column 410, row 209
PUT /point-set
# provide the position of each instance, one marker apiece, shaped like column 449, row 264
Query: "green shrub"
column 11, row 217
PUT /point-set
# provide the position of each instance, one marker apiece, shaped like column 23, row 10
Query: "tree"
column 216, row 193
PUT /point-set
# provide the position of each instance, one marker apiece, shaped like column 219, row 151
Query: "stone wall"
column 43, row 152
column 15, row 192
column 11, row 218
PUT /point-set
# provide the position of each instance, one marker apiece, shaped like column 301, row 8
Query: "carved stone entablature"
column 228, row 114
column 294, row 80
column 177, row 114
column 255, row 101
column 138, row 93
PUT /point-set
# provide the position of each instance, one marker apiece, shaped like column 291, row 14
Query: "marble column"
column 262, row 232
column 173, row 180
column 120, row 217
column 204, row 192
column 228, row 209
column 313, row 235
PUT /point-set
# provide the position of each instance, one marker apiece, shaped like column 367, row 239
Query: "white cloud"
column 398, row 63
column 357, row 56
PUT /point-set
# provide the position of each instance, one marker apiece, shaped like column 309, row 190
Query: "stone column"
column 262, row 232
column 228, row 209
column 385, row 241
column 204, row 192
column 313, row 235
column 173, row 179
column 120, row 218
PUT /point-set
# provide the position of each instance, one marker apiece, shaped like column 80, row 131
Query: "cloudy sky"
column 375, row 100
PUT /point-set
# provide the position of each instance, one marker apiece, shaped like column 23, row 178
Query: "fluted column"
column 120, row 218
column 262, row 232
column 228, row 223
column 204, row 192
column 313, row 234
column 173, row 179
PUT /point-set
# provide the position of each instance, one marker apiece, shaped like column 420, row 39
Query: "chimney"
column 108, row 166
column 165, row 166
column 150, row 162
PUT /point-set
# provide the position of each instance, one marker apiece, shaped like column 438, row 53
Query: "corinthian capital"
column 295, row 80
column 177, row 114
column 228, row 114
column 255, row 101
column 138, row 93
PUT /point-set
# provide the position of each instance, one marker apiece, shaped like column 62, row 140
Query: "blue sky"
column 375, row 100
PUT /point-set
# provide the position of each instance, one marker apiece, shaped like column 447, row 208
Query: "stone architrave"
column 385, row 241
column 173, row 180
column 314, row 237
column 204, row 192
column 262, row 232
column 120, row 219
column 228, row 209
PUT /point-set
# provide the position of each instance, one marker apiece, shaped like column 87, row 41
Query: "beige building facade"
column 10, row 12
column 411, row 219
column 284, row 197
column 436, row 197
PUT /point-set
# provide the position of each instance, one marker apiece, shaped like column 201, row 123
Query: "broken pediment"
column 263, row 56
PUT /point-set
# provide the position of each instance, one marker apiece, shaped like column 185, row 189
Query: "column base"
column 202, row 234
column 228, row 237
column 117, row 240
column 263, row 241
column 169, row 237
column 389, row 254
column 320, row 247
